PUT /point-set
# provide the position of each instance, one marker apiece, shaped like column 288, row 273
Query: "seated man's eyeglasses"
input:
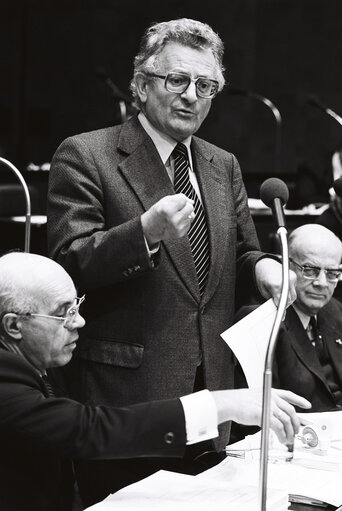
column 69, row 317
column 313, row 272
column 179, row 82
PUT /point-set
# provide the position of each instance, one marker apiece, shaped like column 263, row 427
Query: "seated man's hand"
column 169, row 218
column 244, row 406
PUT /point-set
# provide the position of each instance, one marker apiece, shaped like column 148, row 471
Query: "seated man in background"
column 308, row 358
column 40, row 432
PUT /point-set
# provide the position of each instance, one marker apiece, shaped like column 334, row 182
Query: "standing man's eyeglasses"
column 179, row 82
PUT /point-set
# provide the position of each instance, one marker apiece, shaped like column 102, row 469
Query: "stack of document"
column 167, row 491
column 312, row 475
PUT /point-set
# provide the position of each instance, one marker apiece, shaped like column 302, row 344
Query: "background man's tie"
column 198, row 232
column 315, row 337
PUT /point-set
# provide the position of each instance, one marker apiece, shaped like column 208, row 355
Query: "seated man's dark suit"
column 296, row 364
column 40, row 434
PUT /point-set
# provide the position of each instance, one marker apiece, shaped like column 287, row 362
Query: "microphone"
column 27, row 201
column 275, row 112
column 314, row 101
column 275, row 194
column 337, row 185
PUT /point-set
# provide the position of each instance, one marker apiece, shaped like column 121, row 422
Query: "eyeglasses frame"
column 79, row 301
column 302, row 268
column 191, row 80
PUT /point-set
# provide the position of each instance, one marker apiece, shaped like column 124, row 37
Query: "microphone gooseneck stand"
column 274, row 194
column 314, row 101
column 27, row 201
column 267, row 385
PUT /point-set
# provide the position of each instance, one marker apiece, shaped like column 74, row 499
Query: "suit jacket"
column 39, row 436
column 147, row 325
column 296, row 365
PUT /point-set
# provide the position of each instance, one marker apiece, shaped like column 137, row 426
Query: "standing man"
column 153, row 224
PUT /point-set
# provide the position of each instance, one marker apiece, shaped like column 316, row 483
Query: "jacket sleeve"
column 248, row 251
column 74, row 430
column 94, row 253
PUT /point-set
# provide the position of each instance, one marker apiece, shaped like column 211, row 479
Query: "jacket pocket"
column 113, row 352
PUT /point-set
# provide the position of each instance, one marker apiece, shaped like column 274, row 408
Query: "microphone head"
column 338, row 186
column 274, row 188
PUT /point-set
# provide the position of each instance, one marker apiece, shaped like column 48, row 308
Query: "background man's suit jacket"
column 39, row 436
column 146, row 322
column 297, row 367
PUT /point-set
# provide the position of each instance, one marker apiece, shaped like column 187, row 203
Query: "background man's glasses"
column 313, row 272
column 179, row 82
column 68, row 319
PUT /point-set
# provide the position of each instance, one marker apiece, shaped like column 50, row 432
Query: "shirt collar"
column 304, row 318
column 8, row 346
column 164, row 144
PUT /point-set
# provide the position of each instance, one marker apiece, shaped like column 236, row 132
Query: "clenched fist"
column 169, row 218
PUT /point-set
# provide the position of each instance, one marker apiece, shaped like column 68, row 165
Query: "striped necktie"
column 198, row 232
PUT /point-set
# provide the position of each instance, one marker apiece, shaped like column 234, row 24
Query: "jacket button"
column 169, row 437
column 202, row 309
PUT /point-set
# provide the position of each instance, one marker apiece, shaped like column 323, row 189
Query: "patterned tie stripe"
column 198, row 233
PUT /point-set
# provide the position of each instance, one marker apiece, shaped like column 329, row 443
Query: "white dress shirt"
column 199, row 408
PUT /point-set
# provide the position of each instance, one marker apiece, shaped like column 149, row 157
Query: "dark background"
column 284, row 50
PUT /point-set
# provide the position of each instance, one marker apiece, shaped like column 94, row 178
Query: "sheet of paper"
column 248, row 339
column 167, row 491
column 321, row 485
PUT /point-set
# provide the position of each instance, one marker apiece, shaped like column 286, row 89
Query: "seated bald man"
column 308, row 358
column 40, row 433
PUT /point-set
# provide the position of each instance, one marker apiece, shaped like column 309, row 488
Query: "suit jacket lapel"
column 214, row 198
column 331, row 331
column 302, row 346
column 146, row 174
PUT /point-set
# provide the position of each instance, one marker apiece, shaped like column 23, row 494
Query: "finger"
column 185, row 214
column 289, row 430
column 293, row 398
column 287, row 414
column 277, row 426
column 183, row 200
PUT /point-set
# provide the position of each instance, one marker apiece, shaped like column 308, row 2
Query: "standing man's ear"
column 12, row 325
column 142, row 81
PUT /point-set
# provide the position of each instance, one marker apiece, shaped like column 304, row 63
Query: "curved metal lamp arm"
column 334, row 115
column 27, row 200
column 278, row 120
column 266, row 398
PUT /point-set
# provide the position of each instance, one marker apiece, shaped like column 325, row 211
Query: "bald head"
column 317, row 238
column 313, row 245
column 27, row 280
column 38, row 310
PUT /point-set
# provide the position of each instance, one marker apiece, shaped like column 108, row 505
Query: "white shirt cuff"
column 200, row 416
column 153, row 250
